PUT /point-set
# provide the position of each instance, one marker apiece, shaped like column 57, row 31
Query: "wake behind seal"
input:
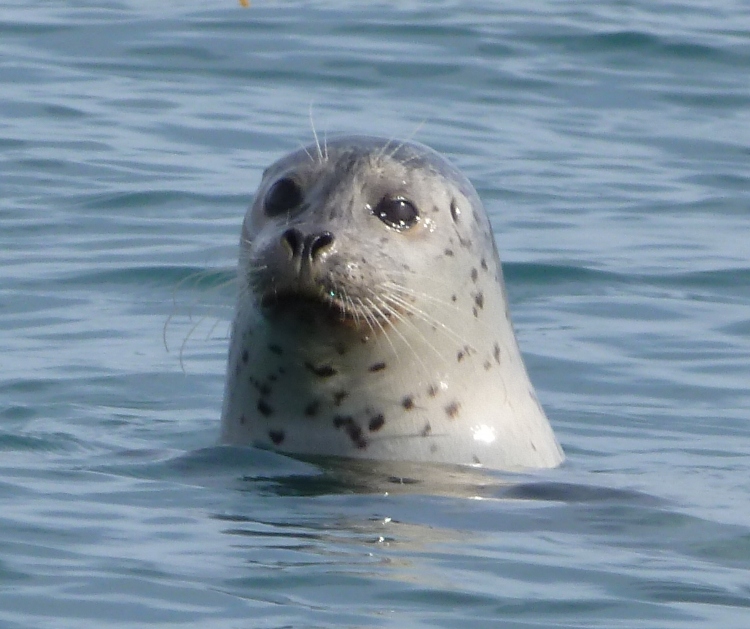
column 372, row 320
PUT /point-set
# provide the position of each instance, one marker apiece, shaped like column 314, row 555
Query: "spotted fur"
column 372, row 320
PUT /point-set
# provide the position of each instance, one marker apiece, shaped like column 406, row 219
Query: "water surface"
column 611, row 144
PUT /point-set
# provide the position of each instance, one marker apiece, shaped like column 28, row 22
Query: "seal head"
column 372, row 320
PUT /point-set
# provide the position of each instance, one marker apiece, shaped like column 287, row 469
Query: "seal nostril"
column 318, row 242
column 293, row 238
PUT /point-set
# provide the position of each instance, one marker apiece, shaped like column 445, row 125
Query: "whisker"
column 380, row 326
column 384, row 148
column 315, row 134
column 304, row 148
column 405, row 321
column 185, row 340
column 424, row 316
column 408, row 139
column 448, row 305
column 402, row 337
column 197, row 279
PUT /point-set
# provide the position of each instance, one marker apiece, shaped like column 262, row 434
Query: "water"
column 611, row 144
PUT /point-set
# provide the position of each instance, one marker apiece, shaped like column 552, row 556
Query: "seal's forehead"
column 349, row 151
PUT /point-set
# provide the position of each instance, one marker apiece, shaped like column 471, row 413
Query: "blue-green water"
column 611, row 144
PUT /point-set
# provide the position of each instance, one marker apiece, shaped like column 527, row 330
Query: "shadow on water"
column 345, row 507
column 269, row 473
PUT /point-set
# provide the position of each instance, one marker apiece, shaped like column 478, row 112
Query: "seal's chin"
column 312, row 308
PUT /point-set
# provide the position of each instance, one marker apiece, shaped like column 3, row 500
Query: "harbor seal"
column 372, row 319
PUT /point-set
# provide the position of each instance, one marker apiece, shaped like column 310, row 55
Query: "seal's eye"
column 396, row 212
column 283, row 197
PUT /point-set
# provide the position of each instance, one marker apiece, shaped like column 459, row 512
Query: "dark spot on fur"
column 476, row 460
column 449, row 252
column 245, row 356
column 277, row 436
column 432, row 390
column 322, row 371
column 376, row 422
column 479, row 300
column 282, row 371
column 376, row 367
column 455, row 211
column 533, row 447
column 272, row 377
column 451, row 410
column 475, row 312
column 474, row 275
column 496, row 353
column 264, row 408
column 242, row 419
column 460, row 355
column 484, row 264
column 264, row 390
column 339, row 397
column 426, row 430
column 408, row 402
column 340, row 421
column 453, row 298
column 487, row 365
column 351, row 428
column 275, row 349
column 340, row 349
column 312, row 408
column 237, row 370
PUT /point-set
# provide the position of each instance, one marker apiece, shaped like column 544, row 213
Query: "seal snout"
column 297, row 277
column 308, row 248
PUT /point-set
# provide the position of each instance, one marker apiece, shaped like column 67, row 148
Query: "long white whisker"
column 185, row 340
column 384, row 148
column 452, row 307
column 196, row 278
column 416, row 355
column 376, row 321
column 406, row 140
column 315, row 134
column 394, row 311
column 304, row 148
column 424, row 316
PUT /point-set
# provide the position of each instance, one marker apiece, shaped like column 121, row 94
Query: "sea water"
column 610, row 142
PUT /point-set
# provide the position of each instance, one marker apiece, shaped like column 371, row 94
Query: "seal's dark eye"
column 396, row 212
column 284, row 196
